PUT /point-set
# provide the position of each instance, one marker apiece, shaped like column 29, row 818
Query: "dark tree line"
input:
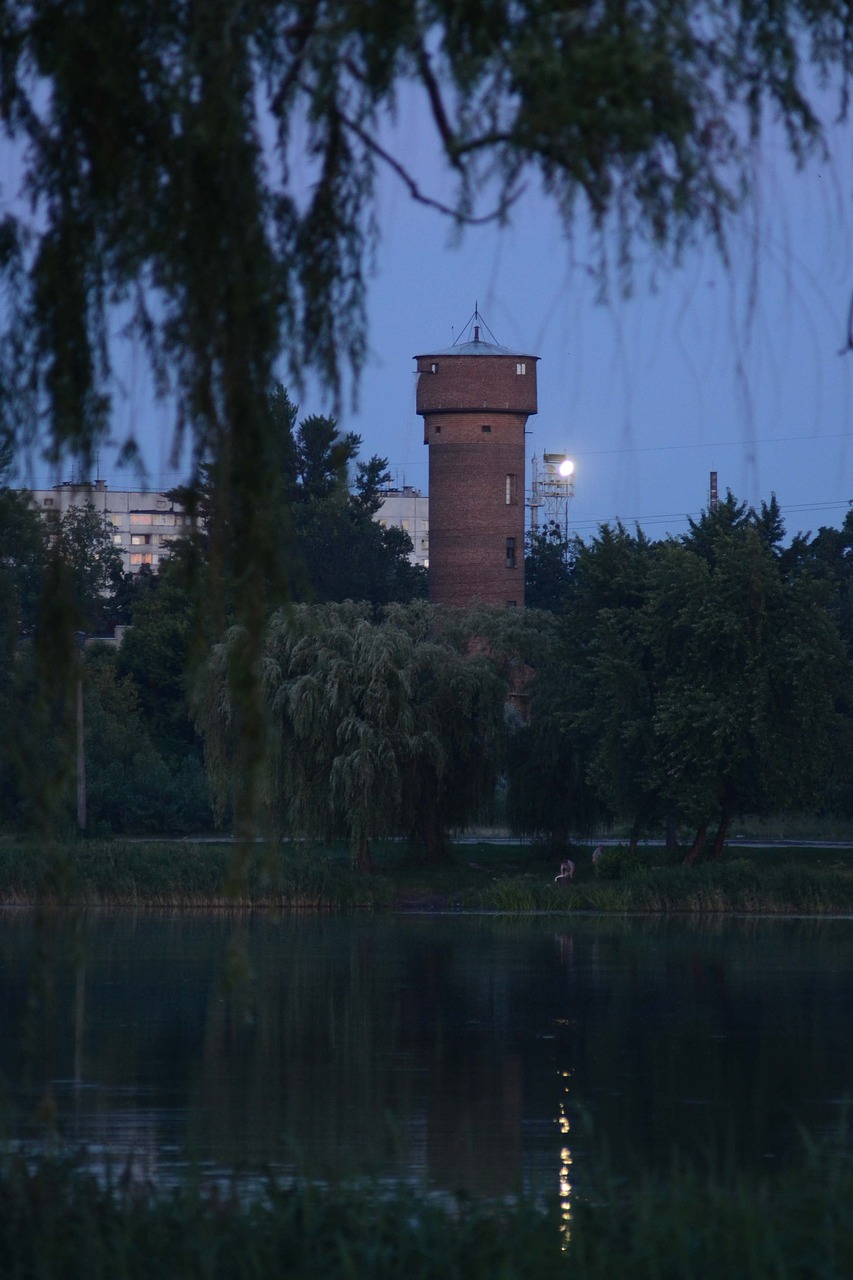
column 62, row 580
column 693, row 679
column 672, row 685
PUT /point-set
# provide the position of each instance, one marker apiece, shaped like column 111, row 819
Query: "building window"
column 512, row 491
column 48, row 502
column 521, row 367
column 140, row 539
column 438, row 431
column 433, row 368
column 510, row 553
column 486, row 430
column 511, row 604
column 117, row 539
column 141, row 518
column 141, row 557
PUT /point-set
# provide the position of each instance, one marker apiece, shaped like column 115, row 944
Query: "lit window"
column 511, row 491
column 510, row 553
column 141, row 518
column 117, row 539
column 521, row 367
column 141, row 557
column 140, row 539
column 433, row 368
column 405, row 524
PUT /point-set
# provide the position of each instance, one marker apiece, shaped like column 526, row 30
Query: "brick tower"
column 475, row 399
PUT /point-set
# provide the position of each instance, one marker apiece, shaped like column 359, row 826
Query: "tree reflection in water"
column 426, row 1048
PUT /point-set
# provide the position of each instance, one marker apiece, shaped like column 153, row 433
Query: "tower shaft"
column 475, row 401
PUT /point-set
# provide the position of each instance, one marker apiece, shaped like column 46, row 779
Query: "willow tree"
column 373, row 729
column 154, row 189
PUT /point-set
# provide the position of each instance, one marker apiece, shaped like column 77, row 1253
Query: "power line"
column 684, row 516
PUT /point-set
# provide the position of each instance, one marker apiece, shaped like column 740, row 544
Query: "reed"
column 296, row 876
column 58, row 1220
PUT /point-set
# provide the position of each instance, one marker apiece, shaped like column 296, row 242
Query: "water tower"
column 475, row 398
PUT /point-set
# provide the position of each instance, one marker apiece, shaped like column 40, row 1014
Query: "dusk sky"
column 705, row 368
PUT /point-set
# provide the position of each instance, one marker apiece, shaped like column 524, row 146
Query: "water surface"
column 491, row 1053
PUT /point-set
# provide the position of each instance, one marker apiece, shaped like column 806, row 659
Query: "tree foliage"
column 375, row 728
column 693, row 679
column 156, row 142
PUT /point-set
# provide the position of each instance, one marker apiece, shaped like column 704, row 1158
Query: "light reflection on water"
column 495, row 1055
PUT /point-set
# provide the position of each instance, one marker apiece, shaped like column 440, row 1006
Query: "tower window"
column 510, row 553
column 486, row 430
column 438, row 431
column 521, row 367
column 512, row 491
column 433, row 368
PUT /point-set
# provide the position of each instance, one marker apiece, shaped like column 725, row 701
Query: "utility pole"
column 80, row 637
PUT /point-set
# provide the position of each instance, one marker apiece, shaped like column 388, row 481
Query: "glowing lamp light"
column 566, row 467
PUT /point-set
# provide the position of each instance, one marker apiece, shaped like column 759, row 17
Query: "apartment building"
column 143, row 523
column 407, row 508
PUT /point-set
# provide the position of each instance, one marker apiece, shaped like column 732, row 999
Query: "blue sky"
column 706, row 367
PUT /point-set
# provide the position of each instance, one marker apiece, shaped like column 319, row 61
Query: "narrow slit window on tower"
column 521, row 367
column 438, row 431
column 510, row 553
column 512, row 491
column 486, row 429
column 433, row 368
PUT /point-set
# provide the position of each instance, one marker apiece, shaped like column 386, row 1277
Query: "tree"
column 137, row 780
column 91, row 565
column 154, row 142
column 374, row 729
column 750, row 672
column 585, row 756
column 547, row 568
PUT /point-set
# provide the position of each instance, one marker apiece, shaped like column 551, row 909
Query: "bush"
column 616, row 863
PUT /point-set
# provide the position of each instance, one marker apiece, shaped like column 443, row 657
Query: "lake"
column 491, row 1053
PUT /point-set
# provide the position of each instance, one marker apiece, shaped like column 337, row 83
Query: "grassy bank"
column 799, row 1223
column 483, row 876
